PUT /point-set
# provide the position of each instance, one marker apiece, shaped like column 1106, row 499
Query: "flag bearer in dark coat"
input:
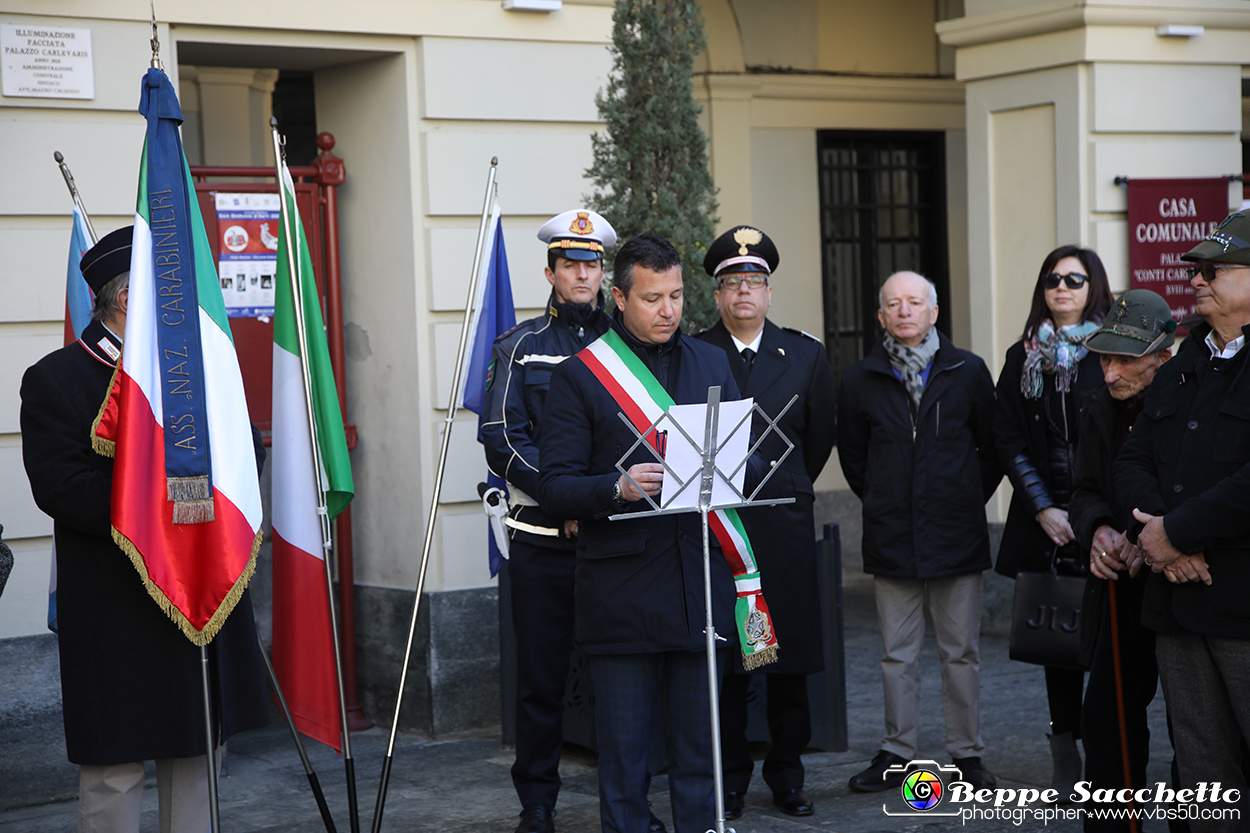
column 1133, row 343
column 130, row 681
column 1184, row 473
column 916, row 443
column 541, row 545
column 639, row 583
column 772, row 364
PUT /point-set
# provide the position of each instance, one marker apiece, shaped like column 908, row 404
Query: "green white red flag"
column 303, row 636
column 195, row 550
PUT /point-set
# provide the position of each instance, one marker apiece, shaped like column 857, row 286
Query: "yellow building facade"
column 974, row 136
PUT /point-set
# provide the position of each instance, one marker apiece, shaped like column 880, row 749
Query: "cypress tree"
column 651, row 169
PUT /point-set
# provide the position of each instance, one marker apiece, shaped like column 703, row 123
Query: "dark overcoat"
column 1188, row 459
column 783, row 537
column 923, row 478
column 130, row 681
column 1020, row 425
column 1094, row 502
column 639, row 583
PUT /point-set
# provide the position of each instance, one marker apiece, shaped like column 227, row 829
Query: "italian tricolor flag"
column 196, row 571
column 303, row 638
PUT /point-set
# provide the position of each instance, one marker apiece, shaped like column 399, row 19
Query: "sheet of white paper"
column 686, row 459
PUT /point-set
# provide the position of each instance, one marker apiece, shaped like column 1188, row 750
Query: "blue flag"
column 494, row 314
column 78, row 297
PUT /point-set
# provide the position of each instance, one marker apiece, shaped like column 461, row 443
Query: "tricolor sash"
column 643, row 399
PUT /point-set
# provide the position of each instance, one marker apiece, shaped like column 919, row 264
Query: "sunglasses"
column 1208, row 270
column 1074, row 280
column 754, row 282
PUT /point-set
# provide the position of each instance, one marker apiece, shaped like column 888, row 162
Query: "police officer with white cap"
column 772, row 364
column 541, row 547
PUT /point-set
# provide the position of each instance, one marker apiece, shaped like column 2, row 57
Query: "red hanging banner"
column 1166, row 218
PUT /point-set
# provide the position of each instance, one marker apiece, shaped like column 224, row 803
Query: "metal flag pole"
column 209, row 733
column 299, row 744
column 327, row 541
column 73, row 192
column 210, row 745
column 707, row 470
column 709, row 630
column 438, row 487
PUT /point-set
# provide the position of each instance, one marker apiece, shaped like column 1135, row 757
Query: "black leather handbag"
column 1047, row 619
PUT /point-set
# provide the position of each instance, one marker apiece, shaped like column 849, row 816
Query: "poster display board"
column 1166, row 218
column 248, row 229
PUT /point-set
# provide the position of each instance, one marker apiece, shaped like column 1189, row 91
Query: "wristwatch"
column 616, row 494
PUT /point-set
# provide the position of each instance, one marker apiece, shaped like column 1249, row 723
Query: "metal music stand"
column 709, row 449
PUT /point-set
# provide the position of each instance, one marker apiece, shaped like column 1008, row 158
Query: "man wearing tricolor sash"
column 130, row 680
column 541, row 546
column 639, row 582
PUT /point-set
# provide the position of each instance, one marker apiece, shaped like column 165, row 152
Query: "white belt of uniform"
column 516, row 497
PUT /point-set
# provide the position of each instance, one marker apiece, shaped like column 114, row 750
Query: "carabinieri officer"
column 772, row 364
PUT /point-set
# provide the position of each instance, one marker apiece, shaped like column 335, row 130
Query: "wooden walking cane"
column 1119, row 700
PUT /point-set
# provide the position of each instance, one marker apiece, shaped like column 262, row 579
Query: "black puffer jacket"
column 923, row 481
column 1020, row 426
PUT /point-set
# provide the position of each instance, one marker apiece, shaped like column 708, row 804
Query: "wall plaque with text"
column 46, row 61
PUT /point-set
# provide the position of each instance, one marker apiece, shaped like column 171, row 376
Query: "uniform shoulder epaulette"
column 515, row 328
column 802, row 333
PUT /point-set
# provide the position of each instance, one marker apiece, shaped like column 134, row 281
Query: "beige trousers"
column 954, row 604
column 110, row 797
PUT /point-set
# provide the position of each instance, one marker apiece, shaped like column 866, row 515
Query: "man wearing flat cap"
column 1134, row 341
column 1184, row 473
column 130, row 681
column 773, row 364
column 541, row 545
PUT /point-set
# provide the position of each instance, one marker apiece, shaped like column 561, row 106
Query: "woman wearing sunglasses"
column 1040, row 398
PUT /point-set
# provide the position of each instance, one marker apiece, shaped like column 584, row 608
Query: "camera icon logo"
column 923, row 788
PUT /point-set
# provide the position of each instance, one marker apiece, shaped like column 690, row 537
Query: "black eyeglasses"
column 752, row 281
column 1074, row 280
column 1208, row 270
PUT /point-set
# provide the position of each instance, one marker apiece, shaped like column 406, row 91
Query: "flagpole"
column 211, row 745
column 438, row 487
column 327, row 542
column 209, row 735
column 299, row 744
column 73, row 192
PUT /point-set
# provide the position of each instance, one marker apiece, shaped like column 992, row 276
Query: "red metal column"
column 330, row 175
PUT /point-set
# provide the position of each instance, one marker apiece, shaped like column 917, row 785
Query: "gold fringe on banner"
column 214, row 625
column 101, row 446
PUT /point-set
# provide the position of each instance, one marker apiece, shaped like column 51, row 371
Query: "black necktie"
column 748, row 356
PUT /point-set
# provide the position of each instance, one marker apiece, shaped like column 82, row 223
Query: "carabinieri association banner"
column 1166, row 218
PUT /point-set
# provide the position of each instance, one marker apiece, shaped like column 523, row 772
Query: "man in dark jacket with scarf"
column 639, row 583
column 1133, row 343
column 131, row 683
column 1184, row 473
column 916, row 443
